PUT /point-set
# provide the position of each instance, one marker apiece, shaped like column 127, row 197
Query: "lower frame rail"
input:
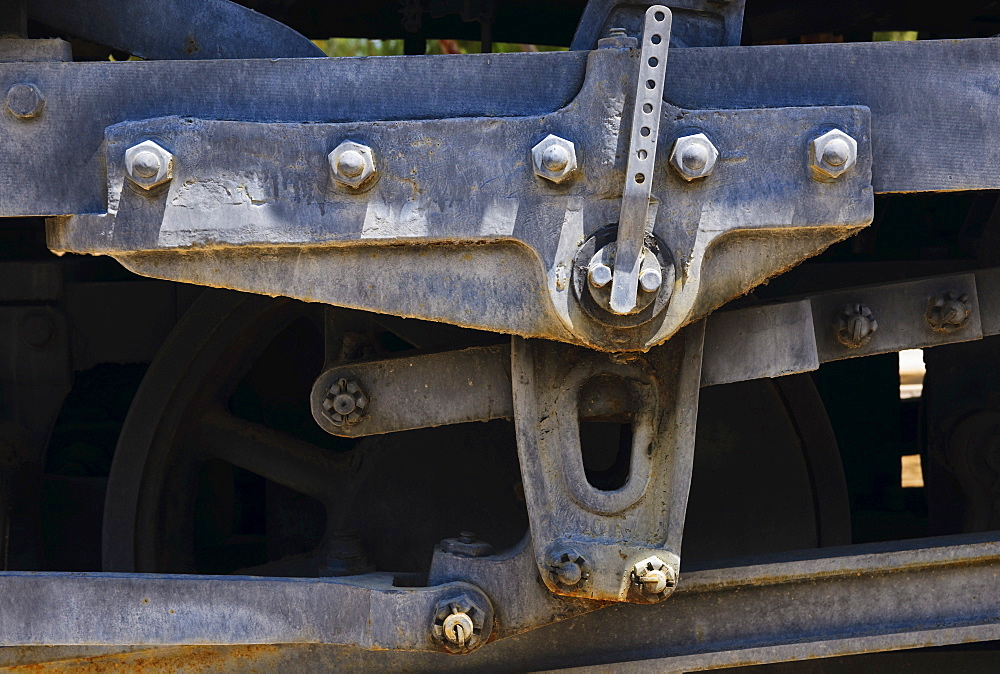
column 823, row 603
column 837, row 601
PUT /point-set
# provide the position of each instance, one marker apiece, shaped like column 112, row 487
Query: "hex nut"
column 554, row 158
column 148, row 165
column 352, row 165
column 653, row 578
column 948, row 312
column 855, row 326
column 462, row 622
column 693, row 156
column 832, row 154
column 345, row 403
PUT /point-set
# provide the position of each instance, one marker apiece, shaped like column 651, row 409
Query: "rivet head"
column 352, row 165
column 24, row 101
column 148, row 165
column 832, row 154
column 554, row 159
column 693, row 156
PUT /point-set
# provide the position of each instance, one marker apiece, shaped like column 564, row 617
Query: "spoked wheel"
column 220, row 467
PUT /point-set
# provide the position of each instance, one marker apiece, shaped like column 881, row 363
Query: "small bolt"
column 148, row 165
column 25, row 101
column 353, row 165
column 345, row 402
column 855, row 326
column 654, row 577
column 462, row 622
column 836, row 152
column 650, row 280
column 458, row 628
column 618, row 38
column 554, row 158
column 693, row 156
column 948, row 311
column 599, row 274
column 568, row 568
column 832, row 154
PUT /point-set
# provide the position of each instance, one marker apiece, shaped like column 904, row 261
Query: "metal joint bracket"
column 620, row 543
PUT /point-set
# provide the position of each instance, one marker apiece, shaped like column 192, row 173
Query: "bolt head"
column 693, row 156
column 462, row 622
column 948, row 312
column 554, row 158
column 654, row 578
column 345, row 403
column 650, row 280
column 352, row 165
column 25, row 101
column 148, row 165
column 855, row 326
column 832, row 154
column 568, row 568
column 599, row 274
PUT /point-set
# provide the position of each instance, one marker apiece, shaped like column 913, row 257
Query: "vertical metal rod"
column 641, row 158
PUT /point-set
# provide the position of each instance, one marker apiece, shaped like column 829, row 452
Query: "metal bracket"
column 639, row 174
column 621, row 544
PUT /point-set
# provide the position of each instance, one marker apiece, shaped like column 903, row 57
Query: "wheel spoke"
column 272, row 454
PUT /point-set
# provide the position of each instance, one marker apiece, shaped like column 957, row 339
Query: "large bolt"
column 148, row 165
column 948, row 311
column 345, row 402
column 568, row 568
column 462, row 622
column 25, row 101
column 554, row 158
column 855, row 326
column 353, row 165
column 832, row 154
column 693, row 156
column 654, row 578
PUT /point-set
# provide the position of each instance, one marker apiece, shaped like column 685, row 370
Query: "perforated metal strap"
column 642, row 154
